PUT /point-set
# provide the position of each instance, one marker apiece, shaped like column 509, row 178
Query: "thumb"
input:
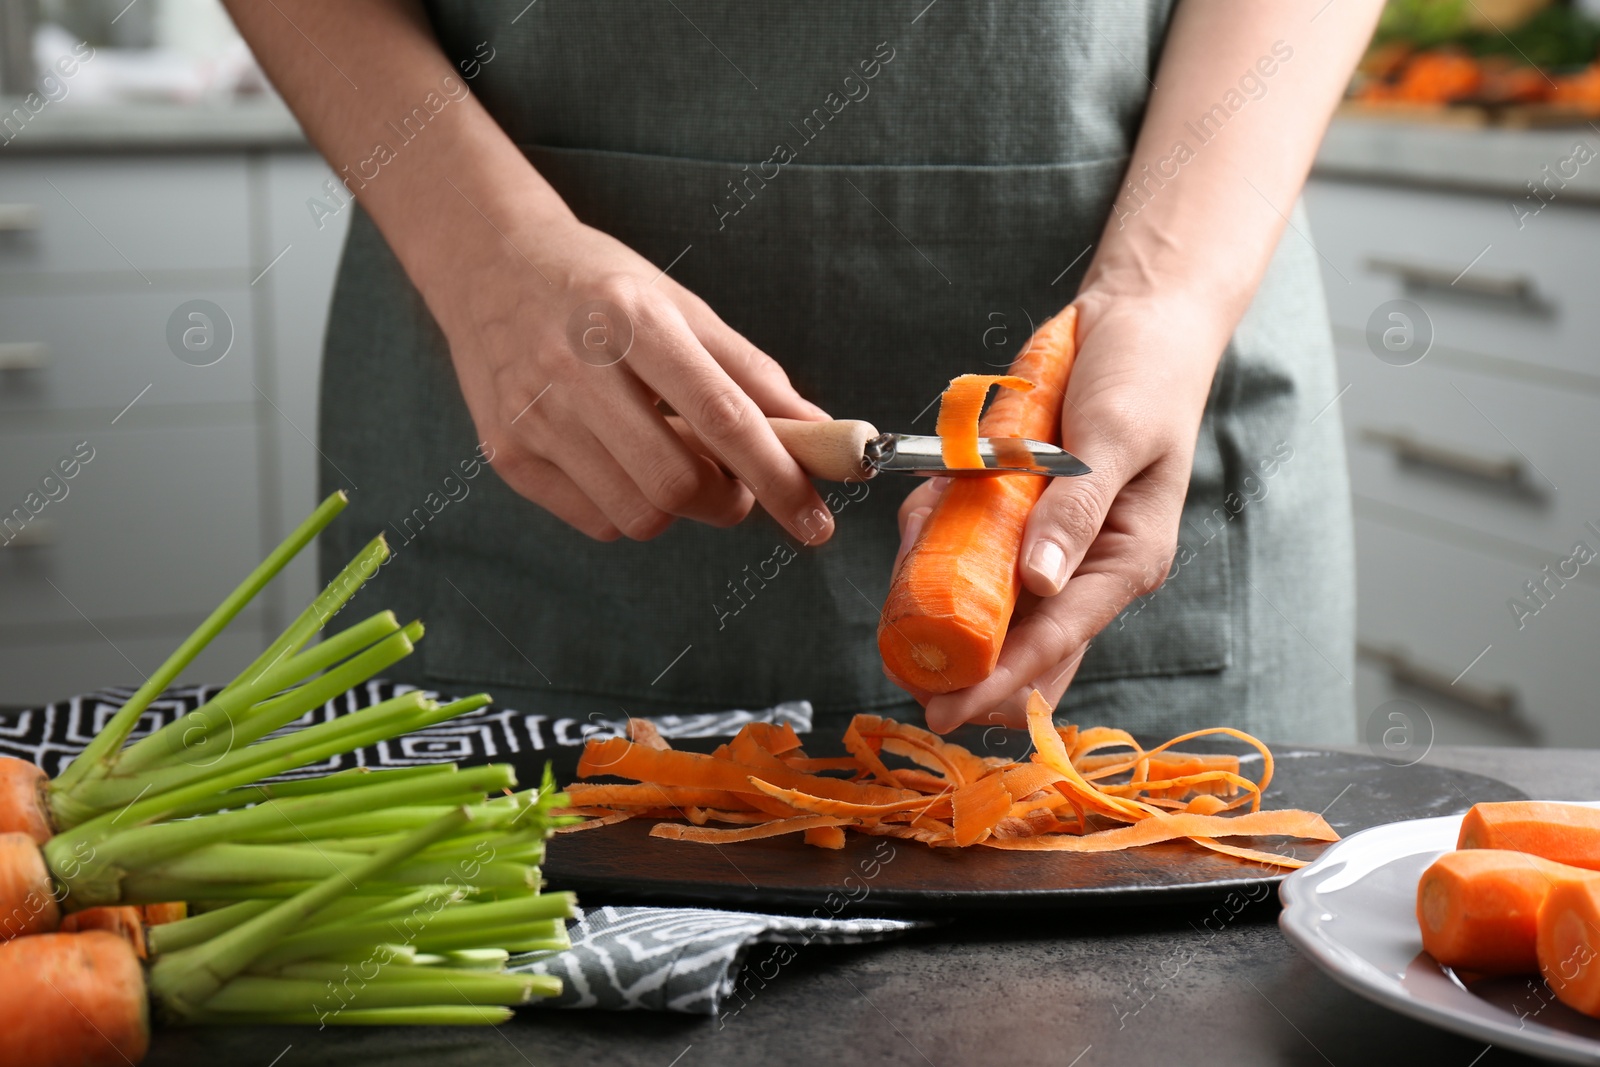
column 1062, row 526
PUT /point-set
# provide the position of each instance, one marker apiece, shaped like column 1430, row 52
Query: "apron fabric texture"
column 879, row 199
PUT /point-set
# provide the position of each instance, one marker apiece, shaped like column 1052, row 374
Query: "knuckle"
column 674, row 488
column 1078, row 513
column 720, row 412
column 645, row 525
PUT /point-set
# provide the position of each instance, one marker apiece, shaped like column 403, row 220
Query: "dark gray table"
column 1146, row 986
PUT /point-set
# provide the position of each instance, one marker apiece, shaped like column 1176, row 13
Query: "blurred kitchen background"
column 167, row 251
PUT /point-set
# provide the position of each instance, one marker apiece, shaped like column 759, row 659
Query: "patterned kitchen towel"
column 51, row 735
column 682, row 959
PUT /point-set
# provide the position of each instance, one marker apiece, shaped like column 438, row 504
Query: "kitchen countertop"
column 1497, row 161
column 1471, row 159
column 1131, row 986
column 260, row 122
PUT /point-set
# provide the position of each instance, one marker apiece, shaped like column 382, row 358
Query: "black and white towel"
column 52, row 735
column 681, row 959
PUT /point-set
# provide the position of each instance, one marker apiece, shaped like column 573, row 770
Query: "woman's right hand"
column 564, row 340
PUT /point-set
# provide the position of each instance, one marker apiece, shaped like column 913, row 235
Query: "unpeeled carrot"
column 124, row 920
column 87, row 1007
column 1565, row 833
column 1479, row 908
column 24, row 800
column 951, row 599
column 1569, row 942
column 27, row 897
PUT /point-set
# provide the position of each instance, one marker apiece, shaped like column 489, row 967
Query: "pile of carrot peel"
column 1090, row 790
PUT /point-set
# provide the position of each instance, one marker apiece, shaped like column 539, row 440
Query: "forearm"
column 379, row 99
column 1245, row 89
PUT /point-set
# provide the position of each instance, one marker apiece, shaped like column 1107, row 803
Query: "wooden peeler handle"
column 832, row 451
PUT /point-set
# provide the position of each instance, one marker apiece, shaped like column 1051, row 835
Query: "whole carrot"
column 88, row 1006
column 950, row 603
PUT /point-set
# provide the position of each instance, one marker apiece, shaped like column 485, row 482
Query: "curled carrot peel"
column 951, row 599
column 959, row 408
column 1065, row 798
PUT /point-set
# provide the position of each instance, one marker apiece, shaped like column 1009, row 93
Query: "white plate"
column 1354, row 912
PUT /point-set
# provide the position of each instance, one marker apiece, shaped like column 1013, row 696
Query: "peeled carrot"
column 1569, row 942
column 951, row 600
column 1479, row 908
column 24, row 800
column 27, row 894
column 1565, row 833
column 87, row 1006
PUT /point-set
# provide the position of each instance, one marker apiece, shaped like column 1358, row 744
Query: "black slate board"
column 622, row 864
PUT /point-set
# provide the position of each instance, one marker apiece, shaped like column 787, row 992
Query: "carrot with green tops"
column 1565, row 833
column 951, row 599
column 1478, row 909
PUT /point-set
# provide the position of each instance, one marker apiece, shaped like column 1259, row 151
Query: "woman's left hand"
column 1095, row 543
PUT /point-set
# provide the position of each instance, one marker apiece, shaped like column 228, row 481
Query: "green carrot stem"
column 544, row 936
column 144, row 845
column 252, row 993
column 316, row 614
column 225, row 864
column 247, row 714
column 353, row 778
column 368, row 954
column 493, row 959
column 375, row 827
column 469, row 921
column 432, row 897
column 169, row 937
column 421, row 969
column 261, row 760
column 432, row 1015
column 266, row 717
column 188, row 978
column 97, row 755
column 539, row 945
column 144, row 889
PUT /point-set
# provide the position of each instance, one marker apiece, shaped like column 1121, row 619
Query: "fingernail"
column 914, row 523
column 1049, row 562
column 938, row 483
column 813, row 525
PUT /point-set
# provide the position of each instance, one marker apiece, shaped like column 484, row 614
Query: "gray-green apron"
column 880, row 196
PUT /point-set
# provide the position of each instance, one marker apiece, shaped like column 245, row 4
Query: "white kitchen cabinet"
column 198, row 470
column 1472, row 469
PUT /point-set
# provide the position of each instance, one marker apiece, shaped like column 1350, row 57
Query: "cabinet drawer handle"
column 1507, row 471
column 1499, row 703
column 15, row 218
column 23, row 355
column 1507, row 288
